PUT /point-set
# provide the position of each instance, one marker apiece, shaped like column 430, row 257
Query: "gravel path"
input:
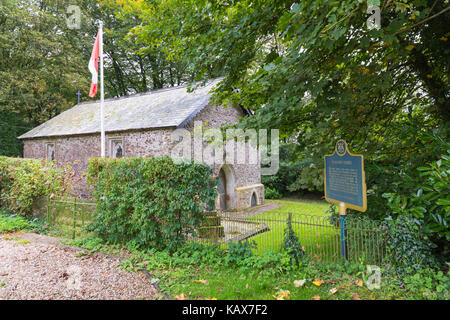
column 40, row 269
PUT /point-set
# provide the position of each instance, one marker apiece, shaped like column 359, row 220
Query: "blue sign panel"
column 345, row 178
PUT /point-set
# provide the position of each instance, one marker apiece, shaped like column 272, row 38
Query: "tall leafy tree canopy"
column 314, row 70
column 43, row 61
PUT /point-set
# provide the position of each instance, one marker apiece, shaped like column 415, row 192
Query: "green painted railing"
column 319, row 236
column 68, row 217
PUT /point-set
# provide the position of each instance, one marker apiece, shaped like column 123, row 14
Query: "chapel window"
column 50, row 149
column 116, row 148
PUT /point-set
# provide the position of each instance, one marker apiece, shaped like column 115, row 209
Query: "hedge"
column 23, row 181
column 151, row 201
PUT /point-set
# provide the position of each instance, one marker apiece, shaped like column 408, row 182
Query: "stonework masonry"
column 76, row 150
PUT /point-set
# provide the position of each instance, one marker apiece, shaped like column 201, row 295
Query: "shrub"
column 297, row 172
column 23, row 181
column 428, row 202
column 272, row 194
column 409, row 249
column 151, row 201
column 11, row 126
column 238, row 251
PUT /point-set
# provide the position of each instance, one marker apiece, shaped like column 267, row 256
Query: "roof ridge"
column 140, row 94
column 170, row 110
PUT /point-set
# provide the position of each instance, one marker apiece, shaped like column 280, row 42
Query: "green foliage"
column 41, row 56
column 396, row 172
column 153, row 201
column 271, row 193
column 429, row 284
column 199, row 254
column 201, row 271
column 11, row 223
column 40, row 66
column 132, row 264
column 291, row 243
column 423, row 194
column 409, row 248
column 238, row 251
column 23, row 181
column 434, row 196
column 269, row 262
column 316, row 72
column 91, row 244
column 296, row 173
column 312, row 69
column 11, row 126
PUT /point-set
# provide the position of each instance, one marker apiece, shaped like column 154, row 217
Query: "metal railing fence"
column 319, row 236
column 68, row 217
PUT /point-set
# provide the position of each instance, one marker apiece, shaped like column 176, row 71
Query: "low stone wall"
column 244, row 196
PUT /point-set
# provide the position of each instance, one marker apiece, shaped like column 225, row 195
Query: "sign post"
column 343, row 214
column 345, row 185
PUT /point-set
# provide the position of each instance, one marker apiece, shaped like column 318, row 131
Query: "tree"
column 39, row 60
column 43, row 62
column 314, row 70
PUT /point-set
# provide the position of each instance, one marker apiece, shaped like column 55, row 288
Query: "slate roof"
column 172, row 107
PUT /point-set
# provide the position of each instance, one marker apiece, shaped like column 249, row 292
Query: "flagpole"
column 102, row 97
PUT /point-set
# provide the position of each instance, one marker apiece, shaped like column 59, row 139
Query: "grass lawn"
column 310, row 223
column 231, row 284
column 207, row 273
column 319, row 238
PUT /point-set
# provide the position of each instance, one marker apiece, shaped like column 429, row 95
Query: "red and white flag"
column 93, row 67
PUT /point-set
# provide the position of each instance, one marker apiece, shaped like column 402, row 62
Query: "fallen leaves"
column 205, row 282
column 318, row 282
column 316, row 297
column 333, row 290
column 359, row 283
column 299, row 283
column 355, row 296
column 282, row 294
column 181, row 296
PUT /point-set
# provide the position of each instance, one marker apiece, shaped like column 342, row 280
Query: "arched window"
column 116, row 148
column 50, row 151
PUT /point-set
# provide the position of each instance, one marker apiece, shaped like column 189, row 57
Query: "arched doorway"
column 222, row 190
column 225, row 188
column 253, row 200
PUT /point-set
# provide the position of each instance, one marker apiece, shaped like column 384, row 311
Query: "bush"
column 272, row 194
column 297, row 173
column 151, row 201
column 11, row 126
column 428, row 202
column 23, row 181
column 409, row 249
column 238, row 251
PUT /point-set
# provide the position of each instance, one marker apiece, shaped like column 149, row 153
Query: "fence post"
column 74, row 217
column 48, row 209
